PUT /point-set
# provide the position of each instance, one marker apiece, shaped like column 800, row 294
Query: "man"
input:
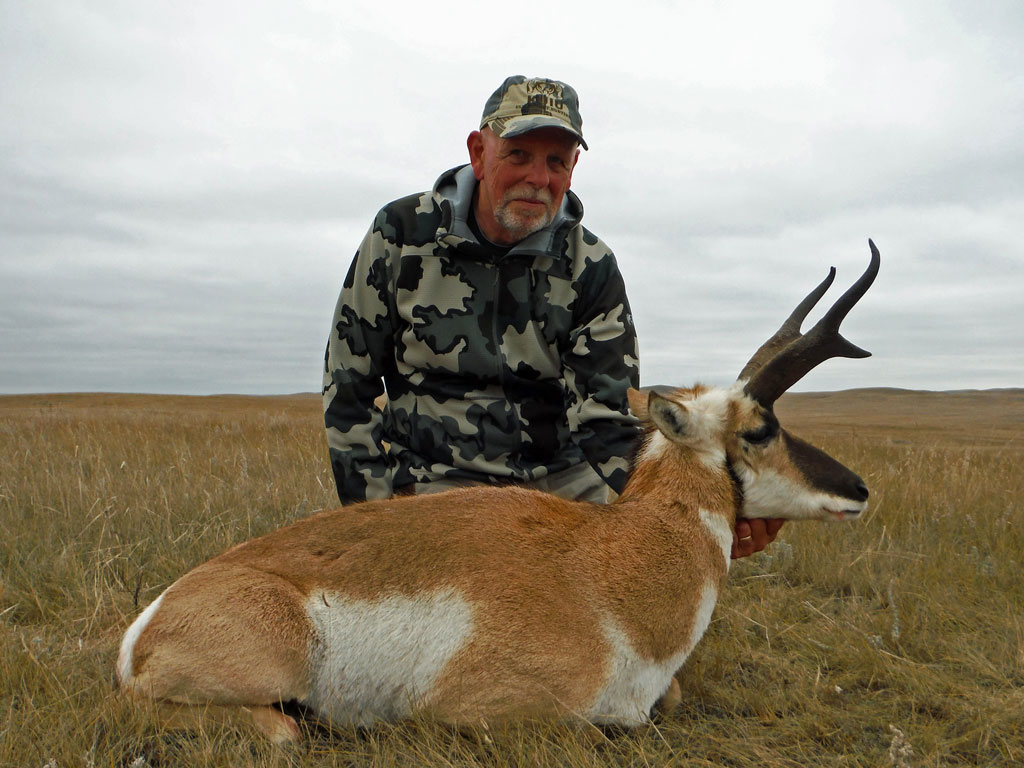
column 497, row 323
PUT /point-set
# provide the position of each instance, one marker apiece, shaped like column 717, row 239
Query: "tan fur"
column 249, row 605
column 544, row 577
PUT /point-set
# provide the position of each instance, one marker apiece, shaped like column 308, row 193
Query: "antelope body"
column 483, row 604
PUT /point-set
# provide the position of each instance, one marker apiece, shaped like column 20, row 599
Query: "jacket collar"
column 453, row 193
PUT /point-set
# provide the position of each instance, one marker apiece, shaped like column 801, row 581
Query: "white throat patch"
column 720, row 531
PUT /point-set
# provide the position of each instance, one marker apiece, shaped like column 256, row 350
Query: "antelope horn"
column 789, row 330
column 788, row 355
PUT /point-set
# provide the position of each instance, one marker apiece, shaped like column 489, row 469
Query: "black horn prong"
column 789, row 356
column 789, row 330
column 853, row 294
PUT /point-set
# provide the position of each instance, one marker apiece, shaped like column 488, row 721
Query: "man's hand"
column 752, row 536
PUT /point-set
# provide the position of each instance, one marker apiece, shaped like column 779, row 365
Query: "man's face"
column 522, row 180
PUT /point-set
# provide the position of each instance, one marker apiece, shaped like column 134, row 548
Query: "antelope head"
column 780, row 474
column 777, row 473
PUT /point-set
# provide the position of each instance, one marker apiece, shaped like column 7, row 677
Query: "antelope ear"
column 638, row 403
column 671, row 418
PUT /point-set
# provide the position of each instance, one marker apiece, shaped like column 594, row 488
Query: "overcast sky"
column 183, row 185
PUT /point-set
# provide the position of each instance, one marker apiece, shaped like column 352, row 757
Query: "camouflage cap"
column 520, row 105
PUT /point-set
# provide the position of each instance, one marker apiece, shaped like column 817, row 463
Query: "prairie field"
column 896, row 640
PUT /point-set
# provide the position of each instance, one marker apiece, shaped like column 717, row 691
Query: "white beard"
column 520, row 225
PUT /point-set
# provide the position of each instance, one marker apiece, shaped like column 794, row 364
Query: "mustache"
column 526, row 192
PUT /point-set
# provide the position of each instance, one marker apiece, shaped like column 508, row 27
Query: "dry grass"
column 894, row 641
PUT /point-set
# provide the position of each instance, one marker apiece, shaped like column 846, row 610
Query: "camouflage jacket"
column 497, row 370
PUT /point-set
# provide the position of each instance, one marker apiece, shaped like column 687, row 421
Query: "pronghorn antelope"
column 484, row 604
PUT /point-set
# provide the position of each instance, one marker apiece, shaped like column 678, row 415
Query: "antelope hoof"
column 669, row 700
column 279, row 728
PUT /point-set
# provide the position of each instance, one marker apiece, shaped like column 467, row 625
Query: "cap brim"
column 517, row 126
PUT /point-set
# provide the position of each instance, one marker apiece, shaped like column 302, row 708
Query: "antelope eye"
column 759, row 436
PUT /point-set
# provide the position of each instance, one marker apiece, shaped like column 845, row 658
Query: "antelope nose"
column 862, row 490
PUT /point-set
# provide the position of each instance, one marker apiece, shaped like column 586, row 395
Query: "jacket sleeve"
column 602, row 363
column 359, row 350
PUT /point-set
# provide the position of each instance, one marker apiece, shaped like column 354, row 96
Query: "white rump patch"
column 378, row 660
column 124, row 656
column 634, row 684
column 720, row 531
